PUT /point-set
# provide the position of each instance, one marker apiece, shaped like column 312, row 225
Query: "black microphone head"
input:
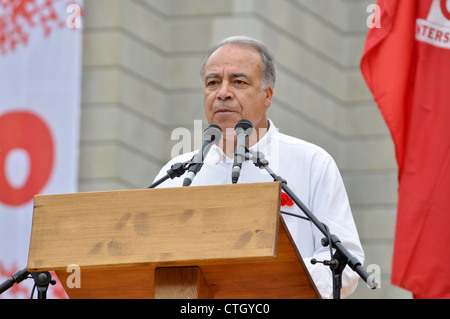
column 212, row 133
column 244, row 126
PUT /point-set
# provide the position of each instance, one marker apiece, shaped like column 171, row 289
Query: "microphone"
column 243, row 129
column 211, row 135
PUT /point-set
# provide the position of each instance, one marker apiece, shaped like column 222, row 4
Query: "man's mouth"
column 224, row 110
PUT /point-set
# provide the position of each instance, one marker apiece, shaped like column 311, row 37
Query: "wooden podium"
column 223, row 242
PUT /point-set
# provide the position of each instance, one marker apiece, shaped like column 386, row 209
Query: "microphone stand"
column 41, row 281
column 342, row 257
column 176, row 170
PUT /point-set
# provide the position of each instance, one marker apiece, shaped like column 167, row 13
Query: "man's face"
column 232, row 88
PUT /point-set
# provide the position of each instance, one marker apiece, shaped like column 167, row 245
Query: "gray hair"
column 269, row 73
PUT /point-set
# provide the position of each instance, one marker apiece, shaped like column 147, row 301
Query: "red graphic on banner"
column 16, row 291
column 25, row 131
column 18, row 17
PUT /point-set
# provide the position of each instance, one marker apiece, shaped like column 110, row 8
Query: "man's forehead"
column 233, row 59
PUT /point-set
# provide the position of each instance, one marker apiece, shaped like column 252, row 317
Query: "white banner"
column 40, row 91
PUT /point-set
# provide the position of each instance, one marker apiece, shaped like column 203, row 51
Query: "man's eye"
column 240, row 82
column 213, row 83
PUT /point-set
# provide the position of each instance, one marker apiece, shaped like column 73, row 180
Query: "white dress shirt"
column 313, row 176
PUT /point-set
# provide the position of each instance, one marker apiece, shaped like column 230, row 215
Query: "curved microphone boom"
column 211, row 135
column 243, row 129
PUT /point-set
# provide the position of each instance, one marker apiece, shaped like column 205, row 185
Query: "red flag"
column 406, row 65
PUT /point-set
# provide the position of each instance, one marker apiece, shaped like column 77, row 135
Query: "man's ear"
column 268, row 98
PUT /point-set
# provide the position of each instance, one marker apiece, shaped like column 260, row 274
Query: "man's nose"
column 225, row 92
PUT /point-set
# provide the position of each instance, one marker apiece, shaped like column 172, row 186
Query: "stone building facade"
column 141, row 82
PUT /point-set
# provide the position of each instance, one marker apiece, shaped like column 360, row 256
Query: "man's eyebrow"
column 212, row 76
column 240, row 75
column 233, row 75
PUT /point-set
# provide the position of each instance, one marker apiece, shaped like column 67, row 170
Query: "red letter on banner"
column 25, row 131
column 444, row 9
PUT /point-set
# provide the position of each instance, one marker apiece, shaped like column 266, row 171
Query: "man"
column 239, row 78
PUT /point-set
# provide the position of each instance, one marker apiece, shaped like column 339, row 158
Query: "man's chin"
column 227, row 122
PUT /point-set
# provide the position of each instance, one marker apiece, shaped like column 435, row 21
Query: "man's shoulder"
column 301, row 145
